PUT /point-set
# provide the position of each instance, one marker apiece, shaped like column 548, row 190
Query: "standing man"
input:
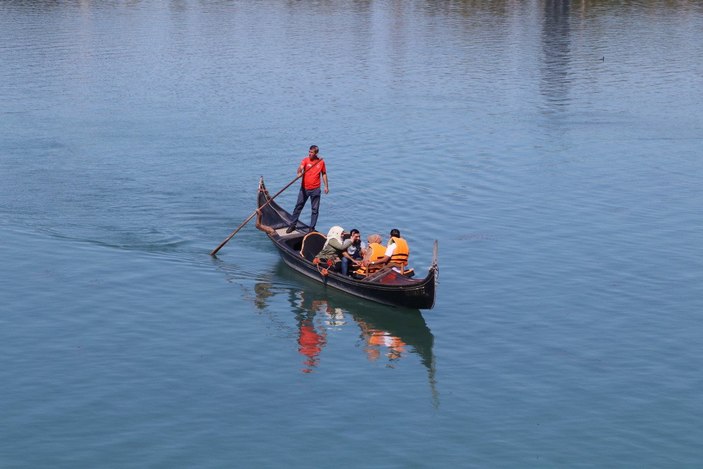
column 313, row 168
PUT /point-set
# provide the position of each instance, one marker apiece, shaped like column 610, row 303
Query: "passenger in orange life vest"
column 396, row 254
column 374, row 253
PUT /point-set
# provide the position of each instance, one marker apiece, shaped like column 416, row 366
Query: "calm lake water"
column 552, row 148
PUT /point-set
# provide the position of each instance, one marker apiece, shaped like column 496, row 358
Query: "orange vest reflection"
column 312, row 339
column 377, row 340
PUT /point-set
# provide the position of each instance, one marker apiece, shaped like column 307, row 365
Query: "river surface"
column 552, row 148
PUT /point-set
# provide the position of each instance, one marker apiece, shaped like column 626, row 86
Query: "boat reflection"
column 385, row 334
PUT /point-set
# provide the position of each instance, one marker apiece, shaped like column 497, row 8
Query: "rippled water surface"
column 552, row 148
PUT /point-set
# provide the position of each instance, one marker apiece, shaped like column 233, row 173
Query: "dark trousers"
column 303, row 196
column 346, row 264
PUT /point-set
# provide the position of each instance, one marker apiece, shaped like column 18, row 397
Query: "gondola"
column 298, row 249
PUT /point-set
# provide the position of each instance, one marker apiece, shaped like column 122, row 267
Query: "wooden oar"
column 214, row 251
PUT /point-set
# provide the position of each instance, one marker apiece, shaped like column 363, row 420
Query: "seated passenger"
column 354, row 253
column 397, row 251
column 334, row 246
column 374, row 253
column 395, row 254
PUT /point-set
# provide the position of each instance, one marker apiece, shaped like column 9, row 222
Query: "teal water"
column 552, row 149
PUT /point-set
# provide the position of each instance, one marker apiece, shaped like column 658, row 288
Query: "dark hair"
column 352, row 233
column 314, row 147
column 395, row 233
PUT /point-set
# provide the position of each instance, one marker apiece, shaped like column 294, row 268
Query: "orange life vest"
column 401, row 252
column 378, row 251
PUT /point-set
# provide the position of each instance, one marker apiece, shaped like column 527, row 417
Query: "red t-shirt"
column 311, row 180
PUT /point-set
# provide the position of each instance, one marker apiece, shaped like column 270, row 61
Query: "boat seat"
column 312, row 244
